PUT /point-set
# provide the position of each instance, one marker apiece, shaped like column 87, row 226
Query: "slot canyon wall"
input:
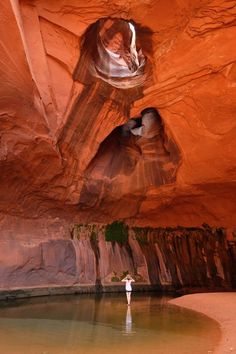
column 71, row 151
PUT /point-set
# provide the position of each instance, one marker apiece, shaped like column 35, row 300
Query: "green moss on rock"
column 117, row 232
column 115, row 279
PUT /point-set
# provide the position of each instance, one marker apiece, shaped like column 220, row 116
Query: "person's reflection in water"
column 128, row 321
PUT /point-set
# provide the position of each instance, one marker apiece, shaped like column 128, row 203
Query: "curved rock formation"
column 54, row 118
column 63, row 159
column 114, row 56
column 135, row 157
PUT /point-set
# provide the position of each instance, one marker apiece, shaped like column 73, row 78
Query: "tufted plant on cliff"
column 115, row 278
column 117, row 232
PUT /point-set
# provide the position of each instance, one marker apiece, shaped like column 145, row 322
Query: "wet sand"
column 219, row 306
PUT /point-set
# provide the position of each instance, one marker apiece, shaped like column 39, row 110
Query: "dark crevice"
column 94, row 245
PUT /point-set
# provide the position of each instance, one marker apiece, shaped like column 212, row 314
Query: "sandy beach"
column 219, row 306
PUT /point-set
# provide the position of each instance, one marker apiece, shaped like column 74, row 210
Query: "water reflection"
column 102, row 325
column 128, row 322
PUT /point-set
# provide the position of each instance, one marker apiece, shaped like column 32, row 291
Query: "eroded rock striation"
column 74, row 147
column 170, row 258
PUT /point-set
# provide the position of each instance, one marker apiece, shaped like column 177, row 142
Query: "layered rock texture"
column 75, row 148
column 171, row 259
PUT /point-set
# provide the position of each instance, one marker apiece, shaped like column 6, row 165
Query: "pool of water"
column 89, row 324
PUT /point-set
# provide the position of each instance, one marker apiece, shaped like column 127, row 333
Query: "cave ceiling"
column 73, row 141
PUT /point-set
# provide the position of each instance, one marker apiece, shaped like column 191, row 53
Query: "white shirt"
column 128, row 286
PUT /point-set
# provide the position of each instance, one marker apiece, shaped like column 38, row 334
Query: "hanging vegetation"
column 117, row 232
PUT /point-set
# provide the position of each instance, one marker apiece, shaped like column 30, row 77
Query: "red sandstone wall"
column 168, row 258
column 51, row 128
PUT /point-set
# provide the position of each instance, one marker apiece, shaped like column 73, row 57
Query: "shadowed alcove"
column 138, row 153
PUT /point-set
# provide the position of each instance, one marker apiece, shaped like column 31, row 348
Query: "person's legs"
column 128, row 295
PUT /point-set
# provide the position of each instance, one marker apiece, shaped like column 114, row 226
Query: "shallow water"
column 89, row 324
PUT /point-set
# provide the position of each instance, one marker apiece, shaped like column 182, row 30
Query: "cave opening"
column 135, row 156
column 128, row 143
column 114, row 70
column 115, row 50
column 147, row 124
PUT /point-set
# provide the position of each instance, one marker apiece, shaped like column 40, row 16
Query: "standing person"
column 128, row 280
